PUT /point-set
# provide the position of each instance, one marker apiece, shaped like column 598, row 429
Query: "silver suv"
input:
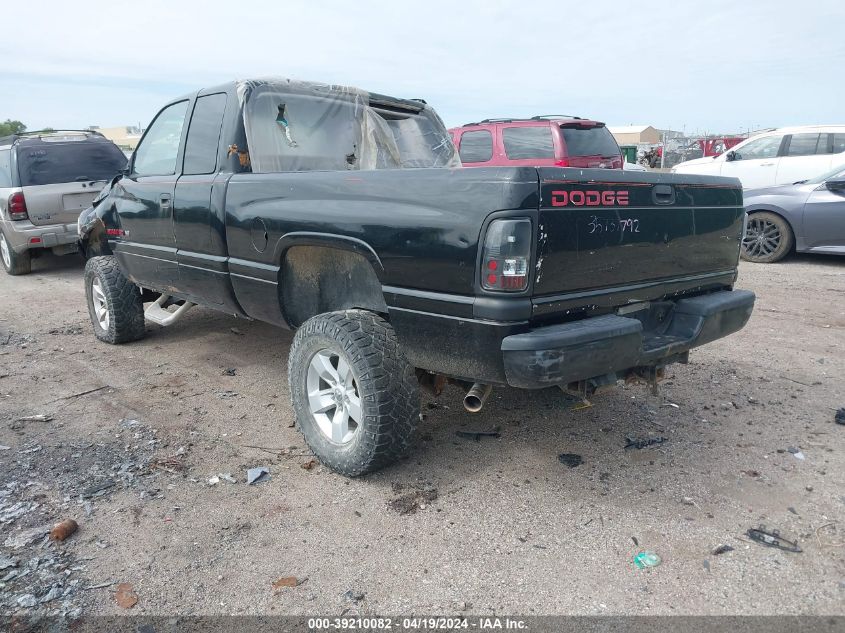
column 46, row 180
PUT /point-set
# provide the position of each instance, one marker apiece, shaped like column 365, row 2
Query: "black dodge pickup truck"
column 346, row 215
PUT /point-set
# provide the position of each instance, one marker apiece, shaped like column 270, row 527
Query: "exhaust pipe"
column 476, row 397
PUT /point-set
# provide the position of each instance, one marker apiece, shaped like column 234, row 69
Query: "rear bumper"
column 612, row 344
column 21, row 233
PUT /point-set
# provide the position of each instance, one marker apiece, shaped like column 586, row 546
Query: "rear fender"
column 321, row 273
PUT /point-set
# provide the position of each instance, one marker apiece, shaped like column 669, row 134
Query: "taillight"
column 563, row 162
column 17, row 207
column 506, row 255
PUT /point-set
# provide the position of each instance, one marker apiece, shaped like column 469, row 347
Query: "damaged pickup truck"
column 345, row 215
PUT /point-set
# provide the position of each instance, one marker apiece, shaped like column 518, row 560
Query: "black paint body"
column 222, row 239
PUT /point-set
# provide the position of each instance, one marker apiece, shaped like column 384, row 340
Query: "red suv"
column 550, row 141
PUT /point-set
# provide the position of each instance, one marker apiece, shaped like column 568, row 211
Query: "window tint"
column 589, row 141
column 204, row 135
column 766, row 147
column 528, row 142
column 51, row 162
column 807, row 145
column 5, row 168
column 156, row 155
column 838, row 143
column 476, row 147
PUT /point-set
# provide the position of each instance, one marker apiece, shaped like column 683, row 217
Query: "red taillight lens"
column 563, row 162
column 506, row 255
column 17, row 207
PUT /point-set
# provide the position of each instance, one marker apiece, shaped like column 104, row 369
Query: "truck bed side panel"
column 418, row 227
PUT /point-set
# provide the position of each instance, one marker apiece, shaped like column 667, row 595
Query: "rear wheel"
column 14, row 263
column 768, row 238
column 354, row 394
column 114, row 302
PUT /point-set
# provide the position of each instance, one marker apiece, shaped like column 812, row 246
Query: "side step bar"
column 157, row 314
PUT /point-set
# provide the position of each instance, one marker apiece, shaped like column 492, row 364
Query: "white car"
column 778, row 157
column 633, row 166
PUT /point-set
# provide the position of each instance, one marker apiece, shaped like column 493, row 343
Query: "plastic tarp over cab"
column 303, row 126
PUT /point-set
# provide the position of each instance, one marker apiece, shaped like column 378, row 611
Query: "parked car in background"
column 809, row 216
column 541, row 141
column 46, row 180
column 633, row 166
column 714, row 146
column 777, row 157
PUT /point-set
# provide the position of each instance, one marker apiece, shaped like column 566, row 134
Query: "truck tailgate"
column 604, row 229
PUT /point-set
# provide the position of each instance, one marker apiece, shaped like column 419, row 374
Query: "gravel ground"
column 494, row 526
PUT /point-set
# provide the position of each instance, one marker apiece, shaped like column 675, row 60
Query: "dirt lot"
column 511, row 528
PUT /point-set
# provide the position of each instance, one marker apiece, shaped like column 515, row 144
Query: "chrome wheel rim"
column 333, row 397
column 101, row 304
column 4, row 250
column 762, row 237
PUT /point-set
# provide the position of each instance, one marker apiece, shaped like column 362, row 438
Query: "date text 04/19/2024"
column 377, row 623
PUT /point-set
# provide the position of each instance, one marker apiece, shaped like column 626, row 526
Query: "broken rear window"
column 296, row 126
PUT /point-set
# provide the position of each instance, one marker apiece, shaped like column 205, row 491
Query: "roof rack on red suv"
column 546, row 140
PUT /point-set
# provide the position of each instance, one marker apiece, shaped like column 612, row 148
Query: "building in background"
column 635, row 134
column 126, row 137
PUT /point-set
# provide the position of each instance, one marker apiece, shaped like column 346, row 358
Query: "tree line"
column 9, row 127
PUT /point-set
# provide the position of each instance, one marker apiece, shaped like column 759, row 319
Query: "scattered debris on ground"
column 309, row 464
column 257, row 474
column 643, row 442
column 477, row 435
column 570, row 459
column 839, row 418
column 354, row 595
column 63, row 530
column 722, row 549
column 229, row 371
column 828, row 535
column 216, row 479
column 125, row 596
column 41, row 417
column 286, row 581
column 647, row 559
column 410, row 502
column 772, row 538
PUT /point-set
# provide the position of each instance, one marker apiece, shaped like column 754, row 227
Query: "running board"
column 157, row 314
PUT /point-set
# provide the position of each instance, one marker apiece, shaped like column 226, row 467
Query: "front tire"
column 114, row 302
column 14, row 263
column 355, row 396
column 768, row 238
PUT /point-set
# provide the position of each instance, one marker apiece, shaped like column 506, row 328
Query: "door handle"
column 165, row 200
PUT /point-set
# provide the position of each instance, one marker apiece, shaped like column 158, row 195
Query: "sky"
column 714, row 66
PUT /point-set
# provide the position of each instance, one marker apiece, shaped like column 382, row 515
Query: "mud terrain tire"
column 345, row 365
column 114, row 302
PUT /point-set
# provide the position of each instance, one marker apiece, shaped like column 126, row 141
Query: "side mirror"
column 730, row 156
column 836, row 184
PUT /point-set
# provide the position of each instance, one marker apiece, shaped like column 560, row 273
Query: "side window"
column 5, row 168
column 838, row 143
column 476, row 147
column 156, row 155
column 528, row 142
column 766, row 147
column 204, row 135
column 807, row 145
